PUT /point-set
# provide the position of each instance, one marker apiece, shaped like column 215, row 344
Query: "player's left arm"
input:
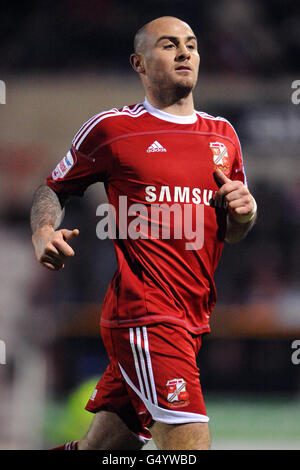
column 241, row 206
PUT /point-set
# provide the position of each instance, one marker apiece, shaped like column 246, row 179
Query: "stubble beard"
column 172, row 92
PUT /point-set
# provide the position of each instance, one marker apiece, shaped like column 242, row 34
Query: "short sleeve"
column 88, row 161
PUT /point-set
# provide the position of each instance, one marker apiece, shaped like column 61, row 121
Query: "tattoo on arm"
column 47, row 209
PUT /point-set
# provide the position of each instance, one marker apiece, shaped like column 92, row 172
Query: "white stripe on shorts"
column 149, row 364
column 136, row 362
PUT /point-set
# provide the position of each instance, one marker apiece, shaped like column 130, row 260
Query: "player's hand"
column 51, row 247
column 241, row 204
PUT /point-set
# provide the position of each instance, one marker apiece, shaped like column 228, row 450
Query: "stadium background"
column 63, row 62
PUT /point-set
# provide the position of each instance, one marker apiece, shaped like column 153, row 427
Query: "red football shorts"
column 152, row 376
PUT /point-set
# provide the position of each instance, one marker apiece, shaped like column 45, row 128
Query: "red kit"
column 158, row 171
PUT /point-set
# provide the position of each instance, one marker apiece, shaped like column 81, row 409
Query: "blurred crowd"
column 241, row 37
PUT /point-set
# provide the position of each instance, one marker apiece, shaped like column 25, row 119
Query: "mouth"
column 183, row 68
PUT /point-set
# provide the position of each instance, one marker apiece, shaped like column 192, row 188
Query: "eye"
column 168, row 46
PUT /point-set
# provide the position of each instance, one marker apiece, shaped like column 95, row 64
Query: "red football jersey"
column 155, row 164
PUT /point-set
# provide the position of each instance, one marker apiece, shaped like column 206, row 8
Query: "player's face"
column 171, row 58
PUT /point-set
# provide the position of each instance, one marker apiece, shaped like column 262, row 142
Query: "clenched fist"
column 51, row 247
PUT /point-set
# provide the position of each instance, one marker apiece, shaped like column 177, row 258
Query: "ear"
column 137, row 63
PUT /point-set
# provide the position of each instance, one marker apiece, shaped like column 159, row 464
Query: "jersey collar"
column 191, row 119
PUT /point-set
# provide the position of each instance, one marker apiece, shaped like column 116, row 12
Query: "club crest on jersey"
column 63, row 167
column 220, row 156
column 177, row 394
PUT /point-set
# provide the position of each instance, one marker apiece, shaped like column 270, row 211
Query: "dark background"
column 53, row 54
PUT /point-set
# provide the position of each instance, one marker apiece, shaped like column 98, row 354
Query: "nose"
column 183, row 53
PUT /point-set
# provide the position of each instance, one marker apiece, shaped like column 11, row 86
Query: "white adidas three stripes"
column 143, row 363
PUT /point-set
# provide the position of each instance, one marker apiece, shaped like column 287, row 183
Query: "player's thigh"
column 109, row 432
column 111, row 395
column 188, row 436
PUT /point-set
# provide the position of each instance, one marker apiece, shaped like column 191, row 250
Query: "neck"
column 179, row 106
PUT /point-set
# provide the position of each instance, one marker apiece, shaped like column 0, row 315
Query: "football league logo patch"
column 177, row 394
column 93, row 396
column 63, row 167
column 220, row 156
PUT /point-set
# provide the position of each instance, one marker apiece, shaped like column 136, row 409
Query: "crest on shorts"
column 220, row 156
column 177, row 393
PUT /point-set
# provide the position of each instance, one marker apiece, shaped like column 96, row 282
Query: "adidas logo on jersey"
column 156, row 147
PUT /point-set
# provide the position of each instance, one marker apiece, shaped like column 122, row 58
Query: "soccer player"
column 153, row 156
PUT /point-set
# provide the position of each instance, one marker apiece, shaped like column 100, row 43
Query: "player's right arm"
column 50, row 243
column 86, row 163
